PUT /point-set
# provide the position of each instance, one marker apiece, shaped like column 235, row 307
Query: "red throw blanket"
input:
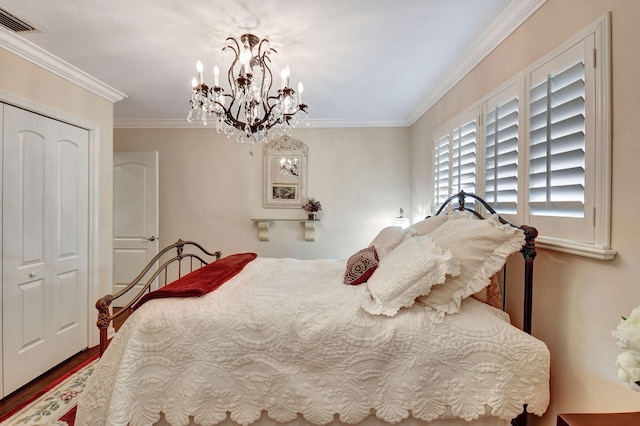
column 203, row 280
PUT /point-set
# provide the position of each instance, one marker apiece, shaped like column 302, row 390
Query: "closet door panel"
column 68, row 245
column 26, row 280
column 30, row 176
column 45, row 231
column 32, row 303
column 2, row 393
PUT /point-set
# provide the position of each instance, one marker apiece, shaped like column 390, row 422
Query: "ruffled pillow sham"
column 482, row 247
column 409, row 271
column 491, row 294
column 427, row 225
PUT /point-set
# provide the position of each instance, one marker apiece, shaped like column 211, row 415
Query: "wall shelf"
column 309, row 227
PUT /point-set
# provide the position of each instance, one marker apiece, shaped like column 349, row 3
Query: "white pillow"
column 407, row 272
column 428, row 225
column 388, row 239
column 481, row 247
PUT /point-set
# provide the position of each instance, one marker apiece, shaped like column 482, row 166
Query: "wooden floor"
column 18, row 397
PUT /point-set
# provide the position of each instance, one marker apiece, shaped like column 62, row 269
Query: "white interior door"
column 45, row 244
column 135, row 216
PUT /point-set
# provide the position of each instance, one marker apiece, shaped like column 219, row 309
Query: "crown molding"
column 36, row 55
column 509, row 20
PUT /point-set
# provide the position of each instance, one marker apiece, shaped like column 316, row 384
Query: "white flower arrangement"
column 628, row 362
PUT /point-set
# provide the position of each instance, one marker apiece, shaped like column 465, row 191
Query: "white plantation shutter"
column 562, row 145
column 541, row 150
column 441, row 187
column 501, row 157
column 557, row 144
column 463, row 158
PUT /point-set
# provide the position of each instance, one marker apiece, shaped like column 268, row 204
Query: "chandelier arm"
column 265, row 99
column 236, row 53
column 237, row 48
column 263, row 41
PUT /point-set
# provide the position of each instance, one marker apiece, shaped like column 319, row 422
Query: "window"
column 455, row 158
column 463, row 158
column 501, row 139
column 557, row 144
column 441, row 187
column 562, row 144
column 544, row 145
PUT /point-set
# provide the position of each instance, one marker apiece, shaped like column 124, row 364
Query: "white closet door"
column 2, row 393
column 45, row 232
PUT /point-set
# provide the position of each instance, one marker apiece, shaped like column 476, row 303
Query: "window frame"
column 513, row 88
column 598, row 127
column 447, row 130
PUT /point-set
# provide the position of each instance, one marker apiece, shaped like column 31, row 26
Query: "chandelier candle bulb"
column 285, row 73
column 216, row 76
column 199, row 68
column 194, row 83
column 300, row 90
column 245, row 59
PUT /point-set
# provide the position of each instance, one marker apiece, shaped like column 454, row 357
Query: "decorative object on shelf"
column 285, row 173
column 249, row 110
column 401, row 221
column 289, row 166
column 628, row 362
column 312, row 207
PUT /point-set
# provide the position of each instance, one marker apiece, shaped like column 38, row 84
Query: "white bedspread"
column 286, row 336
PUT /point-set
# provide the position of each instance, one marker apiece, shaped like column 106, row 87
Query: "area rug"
column 54, row 405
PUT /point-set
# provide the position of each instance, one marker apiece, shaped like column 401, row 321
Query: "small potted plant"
column 312, row 207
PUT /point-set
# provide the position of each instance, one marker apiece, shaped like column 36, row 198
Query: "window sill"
column 573, row 247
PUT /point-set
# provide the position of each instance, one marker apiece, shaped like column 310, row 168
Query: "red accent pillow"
column 361, row 266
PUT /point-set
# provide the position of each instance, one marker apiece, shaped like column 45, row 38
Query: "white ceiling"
column 363, row 62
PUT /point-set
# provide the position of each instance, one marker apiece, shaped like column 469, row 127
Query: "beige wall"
column 28, row 85
column 210, row 189
column 577, row 301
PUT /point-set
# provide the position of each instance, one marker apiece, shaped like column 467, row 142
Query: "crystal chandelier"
column 248, row 109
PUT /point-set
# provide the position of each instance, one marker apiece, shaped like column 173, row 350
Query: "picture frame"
column 282, row 188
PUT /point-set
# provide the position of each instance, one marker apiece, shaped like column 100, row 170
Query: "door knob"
column 151, row 238
column 32, row 274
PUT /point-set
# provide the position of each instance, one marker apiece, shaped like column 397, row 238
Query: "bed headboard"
column 528, row 250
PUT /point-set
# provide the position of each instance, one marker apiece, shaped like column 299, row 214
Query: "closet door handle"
column 151, row 238
column 32, row 274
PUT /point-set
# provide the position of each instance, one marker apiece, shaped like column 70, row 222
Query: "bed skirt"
column 369, row 421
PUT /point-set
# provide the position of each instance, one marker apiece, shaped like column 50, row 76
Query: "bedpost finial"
column 529, row 248
column 104, row 316
column 461, row 196
column 179, row 248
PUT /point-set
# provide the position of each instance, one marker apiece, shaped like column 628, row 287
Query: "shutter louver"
column 557, row 144
column 501, row 157
column 463, row 158
column 441, row 171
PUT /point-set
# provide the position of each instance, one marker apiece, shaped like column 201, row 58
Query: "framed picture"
column 284, row 191
column 285, row 173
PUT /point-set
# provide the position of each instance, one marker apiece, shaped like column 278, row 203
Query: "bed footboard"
column 528, row 252
column 197, row 257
